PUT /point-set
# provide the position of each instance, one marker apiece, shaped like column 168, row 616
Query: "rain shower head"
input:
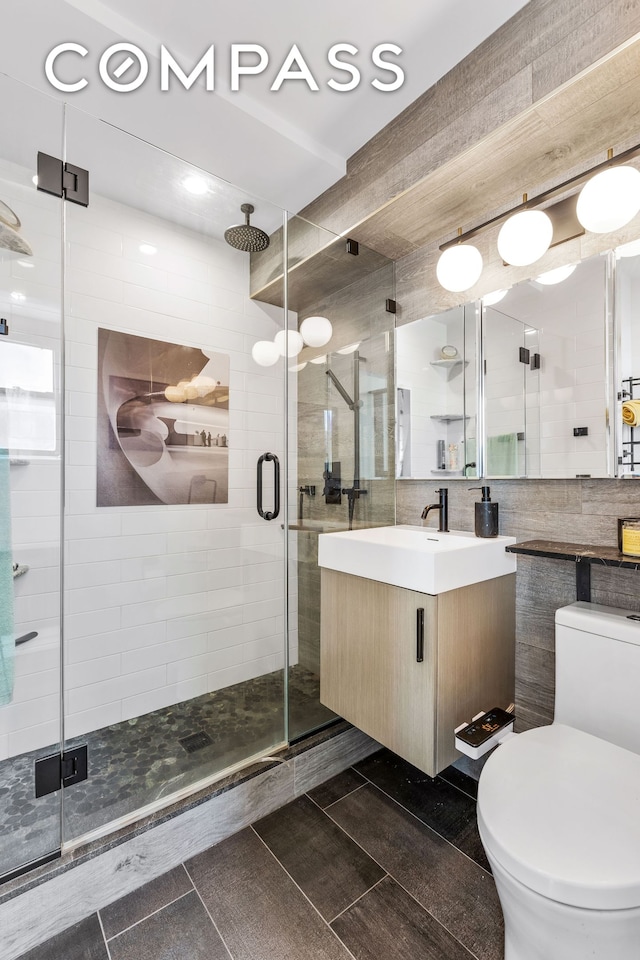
column 245, row 237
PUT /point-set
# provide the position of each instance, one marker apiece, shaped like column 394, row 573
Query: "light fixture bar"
column 546, row 195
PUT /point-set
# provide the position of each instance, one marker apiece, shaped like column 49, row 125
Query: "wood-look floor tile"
column 181, row 931
column 336, row 788
column 387, row 923
column 256, row 906
column 457, row 891
column 82, row 941
column 328, row 867
column 442, row 807
column 146, row 900
column 458, row 778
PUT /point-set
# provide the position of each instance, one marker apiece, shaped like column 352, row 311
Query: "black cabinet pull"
column 420, row 634
column 268, row 514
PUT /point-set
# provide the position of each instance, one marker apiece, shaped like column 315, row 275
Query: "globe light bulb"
column 556, row 276
column 459, row 267
column 288, row 342
column 609, row 200
column 494, row 297
column 525, row 237
column 265, row 353
column 316, row 331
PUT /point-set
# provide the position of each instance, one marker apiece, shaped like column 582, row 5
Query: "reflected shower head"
column 245, row 237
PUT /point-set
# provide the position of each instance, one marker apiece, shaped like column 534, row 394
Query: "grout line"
column 355, row 790
column 310, row 902
column 433, row 830
column 402, row 886
column 104, row 936
column 399, row 883
column 215, row 925
column 148, row 915
column 357, row 899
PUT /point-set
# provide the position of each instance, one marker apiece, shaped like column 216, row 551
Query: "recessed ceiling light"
column 148, row 249
column 196, row 185
column 16, row 295
column 25, row 264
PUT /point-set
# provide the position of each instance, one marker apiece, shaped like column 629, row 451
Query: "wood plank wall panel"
column 577, row 510
column 550, row 41
column 524, row 40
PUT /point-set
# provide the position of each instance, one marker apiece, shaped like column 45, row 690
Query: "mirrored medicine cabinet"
column 532, row 385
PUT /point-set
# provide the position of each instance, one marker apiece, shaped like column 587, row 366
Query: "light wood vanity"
column 372, row 675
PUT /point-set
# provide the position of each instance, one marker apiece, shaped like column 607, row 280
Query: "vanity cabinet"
column 372, row 673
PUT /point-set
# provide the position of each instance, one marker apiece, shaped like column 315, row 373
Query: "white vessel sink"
column 417, row 558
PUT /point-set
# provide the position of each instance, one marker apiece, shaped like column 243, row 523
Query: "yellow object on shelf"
column 629, row 536
column 631, row 412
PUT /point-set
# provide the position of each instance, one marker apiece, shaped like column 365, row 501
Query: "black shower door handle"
column 268, row 514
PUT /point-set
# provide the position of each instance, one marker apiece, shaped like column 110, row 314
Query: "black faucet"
column 443, row 510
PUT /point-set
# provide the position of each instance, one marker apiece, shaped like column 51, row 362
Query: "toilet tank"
column 598, row 672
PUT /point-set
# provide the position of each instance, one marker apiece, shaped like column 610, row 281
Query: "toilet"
column 559, row 806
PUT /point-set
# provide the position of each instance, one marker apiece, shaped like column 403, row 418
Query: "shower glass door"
column 30, row 482
column 175, row 552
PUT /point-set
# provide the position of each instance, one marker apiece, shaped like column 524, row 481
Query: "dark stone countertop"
column 578, row 552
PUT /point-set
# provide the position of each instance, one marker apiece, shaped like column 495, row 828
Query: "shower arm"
column 355, row 492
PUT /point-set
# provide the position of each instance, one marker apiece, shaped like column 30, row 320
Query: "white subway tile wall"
column 162, row 603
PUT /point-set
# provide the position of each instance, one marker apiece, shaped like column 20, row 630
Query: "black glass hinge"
column 524, row 355
column 61, row 770
column 391, row 306
column 63, row 179
column 4, row 327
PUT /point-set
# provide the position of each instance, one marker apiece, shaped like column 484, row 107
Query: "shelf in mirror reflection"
column 447, row 417
column 453, row 362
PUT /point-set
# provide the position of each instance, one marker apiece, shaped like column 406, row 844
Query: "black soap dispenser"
column 486, row 514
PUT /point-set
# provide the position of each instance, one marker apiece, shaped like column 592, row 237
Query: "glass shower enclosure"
column 148, row 582
column 168, row 463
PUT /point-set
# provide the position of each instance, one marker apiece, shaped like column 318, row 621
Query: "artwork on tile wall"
column 163, row 422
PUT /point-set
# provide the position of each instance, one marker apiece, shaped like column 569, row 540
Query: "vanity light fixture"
column 322, row 359
column 609, row 199
column 557, row 275
column 314, row 332
column 459, row 266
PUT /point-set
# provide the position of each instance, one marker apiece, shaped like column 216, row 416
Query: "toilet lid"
column 559, row 809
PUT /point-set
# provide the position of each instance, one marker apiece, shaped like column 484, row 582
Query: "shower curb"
column 57, row 895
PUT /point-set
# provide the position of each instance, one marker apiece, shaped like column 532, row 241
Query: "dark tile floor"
column 379, row 863
column 139, row 761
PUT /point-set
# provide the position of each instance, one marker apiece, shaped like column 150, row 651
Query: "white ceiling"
column 287, row 146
